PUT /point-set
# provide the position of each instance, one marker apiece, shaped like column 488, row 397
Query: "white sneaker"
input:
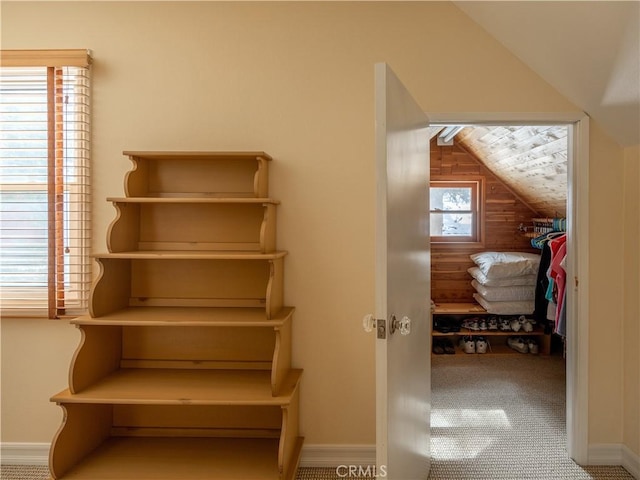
column 504, row 325
column 525, row 323
column 518, row 344
column 469, row 346
column 515, row 325
column 533, row 346
column 481, row 345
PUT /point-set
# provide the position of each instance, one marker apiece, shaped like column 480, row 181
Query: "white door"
column 403, row 282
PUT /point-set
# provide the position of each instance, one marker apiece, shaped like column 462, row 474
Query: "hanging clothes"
column 542, row 279
column 558, row 275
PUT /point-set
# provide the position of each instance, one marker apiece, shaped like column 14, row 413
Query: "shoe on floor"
column 448, row 347
column 533, row 346
column 518, row 344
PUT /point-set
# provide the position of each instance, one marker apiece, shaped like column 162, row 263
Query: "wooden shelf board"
column 149, row 386
column 496, row 350
column 458, row 308
column 191, row 255
column 189, row 317
column 193, row 199
column 488, row 333
column 163, row 458
column 198, row 155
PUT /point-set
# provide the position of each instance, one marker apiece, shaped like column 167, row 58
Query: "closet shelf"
column 189, row 317
column 148, row 386
column 489, row 333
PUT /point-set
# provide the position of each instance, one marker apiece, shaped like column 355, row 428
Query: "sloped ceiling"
column 587, row 50
column 531, row 160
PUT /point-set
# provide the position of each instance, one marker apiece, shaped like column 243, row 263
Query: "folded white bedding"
column 505, row 308
column 506, row 264
column 482, row 279
column 505, row 294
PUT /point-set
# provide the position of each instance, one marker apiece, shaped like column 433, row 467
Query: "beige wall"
column 296, row 80
column 632, row 300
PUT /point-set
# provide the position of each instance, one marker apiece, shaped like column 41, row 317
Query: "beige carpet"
column 493, row 418
column 503, row 418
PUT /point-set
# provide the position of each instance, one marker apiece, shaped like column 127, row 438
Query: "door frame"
column 577, row 369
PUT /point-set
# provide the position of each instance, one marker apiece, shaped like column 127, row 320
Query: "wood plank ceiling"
column 531, row 160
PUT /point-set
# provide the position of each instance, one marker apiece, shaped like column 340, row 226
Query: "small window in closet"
column 455, row 211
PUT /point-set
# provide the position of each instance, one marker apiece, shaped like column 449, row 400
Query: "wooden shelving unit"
column 497, row 338
column 184, row 367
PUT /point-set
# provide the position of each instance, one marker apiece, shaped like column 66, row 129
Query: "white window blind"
column 44, row 190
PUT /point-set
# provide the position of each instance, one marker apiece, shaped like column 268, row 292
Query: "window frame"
column 476, row 183
column 68, row 281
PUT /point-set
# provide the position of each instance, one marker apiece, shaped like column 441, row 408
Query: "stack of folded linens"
column 505, row 282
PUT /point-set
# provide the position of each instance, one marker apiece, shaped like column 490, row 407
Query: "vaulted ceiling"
column 531, row 160
column 587, row 50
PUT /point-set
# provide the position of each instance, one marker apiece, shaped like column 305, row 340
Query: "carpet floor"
column 493, row 418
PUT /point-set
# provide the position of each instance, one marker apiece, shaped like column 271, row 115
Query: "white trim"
column 615, row 454
column 578, row 204
column 312, row 455
column 504, row 118
column 328, row 456
column 13, row 453
column 577, row 390
column 631, row 462
column 335, row 455
column 605, row 454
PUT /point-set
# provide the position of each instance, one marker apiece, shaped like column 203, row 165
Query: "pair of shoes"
column 504, row 325
column 525, row 323
column 475, row 324
column 493, row 323
column 470, row 344
column 443, row 345
column 471, row 324
column 519, row 344
column 446, row 325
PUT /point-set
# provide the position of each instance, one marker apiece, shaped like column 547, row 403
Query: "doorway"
column 577, row 247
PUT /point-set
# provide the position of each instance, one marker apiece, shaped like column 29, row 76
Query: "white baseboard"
column 615, row 454
column 631, row 462
column 312, row 455
column 24, row 453
column 331, row 455
column 335, row 455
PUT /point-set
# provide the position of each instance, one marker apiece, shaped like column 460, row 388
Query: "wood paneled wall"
column 503, row 213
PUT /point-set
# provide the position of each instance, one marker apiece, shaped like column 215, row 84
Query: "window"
column 44, row 183
column 455, row 211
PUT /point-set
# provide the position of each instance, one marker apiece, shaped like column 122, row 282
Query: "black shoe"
column 449, row 349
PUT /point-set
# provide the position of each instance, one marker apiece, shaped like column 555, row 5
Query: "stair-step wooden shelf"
column 184, row 365
column 175, row 223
